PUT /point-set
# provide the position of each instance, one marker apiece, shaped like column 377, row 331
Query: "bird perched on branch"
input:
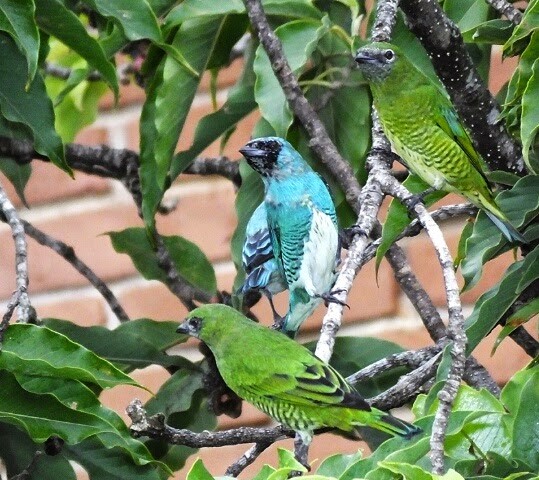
column 302, row 224
column 261, row 267
column 284, row 379
column 425, row 130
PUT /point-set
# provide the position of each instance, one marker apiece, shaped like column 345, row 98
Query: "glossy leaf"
column 299, row 39
column 493, row 32
column 60, row 22
column 42, row 416
column 188, row 259
column 17, row 19
column 18, row 449
column 32, row 350
column 521, row 205
column 240, row 102
column 109, row 463
column 28, row 104
column 169, row 98
column 77, row 396
column 135, row 344
column 135, row 17
column 493, row 304
column 529, row 124
column 529, row 23
column 199, row 8
column 199, row 472
column 397, row 218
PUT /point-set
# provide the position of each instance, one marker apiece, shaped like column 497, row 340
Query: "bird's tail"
column 510, row 232
column 388, row 423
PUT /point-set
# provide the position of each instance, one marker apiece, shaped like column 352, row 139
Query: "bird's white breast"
column 317, row 272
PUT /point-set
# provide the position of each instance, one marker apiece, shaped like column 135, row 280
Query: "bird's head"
column 263, row 153
column 378, row 60
column 211, row 322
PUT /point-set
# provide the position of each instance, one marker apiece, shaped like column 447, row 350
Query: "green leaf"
column 32, row 350
column 28, row 104
column 198, row 472
column 188, row 259
column 240, row 102
column 42, row 416
column 397, row 216
column 521, row 398
column 135, row 17
column 17, row 174
column 103, row 463
column 135, row 344
column 17, row 19
column 492, row 32
column 528, row 24
column 55, row 19
column 335, row 465
column 521, row 205
column 77, row 396
column 529, row 124
column 299, row 39
column 493, row 304
column 200, row 8
column 18, row 450
column 169, row 98
column 409, row 472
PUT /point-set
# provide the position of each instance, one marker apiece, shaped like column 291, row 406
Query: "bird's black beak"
column 362, row 57
column 250, row 152
column 183, row 328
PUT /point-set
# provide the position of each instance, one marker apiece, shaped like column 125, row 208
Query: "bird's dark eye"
column 389, row 54
column 194, row 323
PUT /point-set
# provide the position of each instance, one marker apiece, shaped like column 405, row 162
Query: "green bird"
column 284, row 379
column 425, row 131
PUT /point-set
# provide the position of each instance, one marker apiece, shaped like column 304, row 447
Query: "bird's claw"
column 413, row 200
column 348, row 234
column 330, row 297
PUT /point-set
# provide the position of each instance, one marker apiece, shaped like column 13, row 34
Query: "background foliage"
column 52, row 375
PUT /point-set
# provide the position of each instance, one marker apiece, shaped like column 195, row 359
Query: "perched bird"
column 284, row 379
column 302, row 224
column 261, row 268
column 425, row 130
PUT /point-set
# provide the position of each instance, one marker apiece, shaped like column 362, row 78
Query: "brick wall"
column 79, row 211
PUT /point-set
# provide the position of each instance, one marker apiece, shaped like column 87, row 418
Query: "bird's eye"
column 389, row 54
column 194, row 323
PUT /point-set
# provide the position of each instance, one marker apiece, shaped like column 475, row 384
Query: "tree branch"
column 454, row 66
column 247, row 458
column 505, row 8
column 20, row 298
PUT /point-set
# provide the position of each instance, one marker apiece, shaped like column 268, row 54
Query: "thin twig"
column 68, row 254
column 247, row 458
column 455, row 328
column 155, row 427
column 8, row 211
column 411, row 359
column 505, row 8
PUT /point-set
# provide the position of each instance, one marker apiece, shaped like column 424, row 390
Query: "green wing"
column 448, row 120
column 312, row 384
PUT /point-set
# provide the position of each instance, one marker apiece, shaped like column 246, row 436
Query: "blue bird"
column 261, row 268
column 302, row 223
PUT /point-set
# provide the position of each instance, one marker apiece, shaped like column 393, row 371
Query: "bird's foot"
column 413, row 200
column 278, row 322
column 301, row 452
column 329, row 297
column 347, row 235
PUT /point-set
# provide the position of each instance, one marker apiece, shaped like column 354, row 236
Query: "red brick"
column 84, row 232
column 84, row 311
column 500, row 70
